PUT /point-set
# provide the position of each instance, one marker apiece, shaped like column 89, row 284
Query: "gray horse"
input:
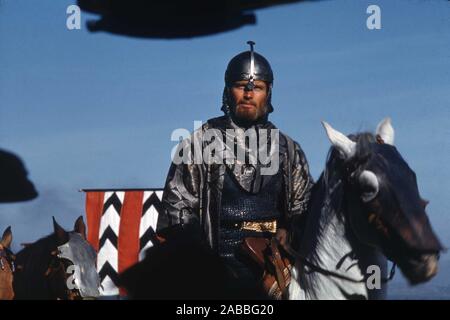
column 365, row 207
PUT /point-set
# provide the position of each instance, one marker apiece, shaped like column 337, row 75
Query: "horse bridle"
column 350, row 170
column 57, row 265
column 6, row 254
column 325, row 272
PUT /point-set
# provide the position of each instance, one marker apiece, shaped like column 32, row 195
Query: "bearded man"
column 241, row 196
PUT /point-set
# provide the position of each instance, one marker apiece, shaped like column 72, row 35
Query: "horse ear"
column 342, row 143
column 385, row 131
column 424, row 203
column 6, row 238
column 80, row 227
column 60, row 233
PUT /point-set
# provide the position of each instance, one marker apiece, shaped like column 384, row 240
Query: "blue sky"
column 97, row 111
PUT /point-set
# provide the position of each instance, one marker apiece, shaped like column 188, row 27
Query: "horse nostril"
column 431, row 265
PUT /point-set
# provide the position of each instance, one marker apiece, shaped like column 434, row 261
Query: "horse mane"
column 327, row 194
column 32, row 262
column 335, row 164
column 363, row 140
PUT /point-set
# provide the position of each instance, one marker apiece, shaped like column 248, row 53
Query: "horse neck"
column 30, row 282
column 6, row 279
column 327, row 245
column 330, row 233
column 328, row 242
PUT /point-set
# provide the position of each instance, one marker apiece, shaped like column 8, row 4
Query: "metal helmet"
column 247, row 65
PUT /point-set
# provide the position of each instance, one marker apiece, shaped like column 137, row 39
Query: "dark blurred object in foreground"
column 173, row 18
column 181, row 267
column 14, row 184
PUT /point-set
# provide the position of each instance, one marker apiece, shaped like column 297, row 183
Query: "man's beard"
column 250, row 115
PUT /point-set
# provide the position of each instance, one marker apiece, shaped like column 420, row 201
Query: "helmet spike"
column 250, row 84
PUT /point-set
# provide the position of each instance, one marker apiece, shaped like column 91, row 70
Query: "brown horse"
column 6, row 266
column 47, row 268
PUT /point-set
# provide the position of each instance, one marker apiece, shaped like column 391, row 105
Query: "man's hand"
column 281, row 236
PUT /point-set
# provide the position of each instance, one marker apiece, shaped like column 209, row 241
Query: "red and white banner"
column 121, row 224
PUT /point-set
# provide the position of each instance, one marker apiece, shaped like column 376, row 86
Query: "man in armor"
column 226, row 202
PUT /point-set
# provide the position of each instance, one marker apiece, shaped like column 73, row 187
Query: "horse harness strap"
column 8, row 257
column 279, row 265
column 340, row 276
column 351, row 172
column 56, row 265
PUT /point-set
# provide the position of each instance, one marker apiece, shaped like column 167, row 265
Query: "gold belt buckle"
column 265, row 226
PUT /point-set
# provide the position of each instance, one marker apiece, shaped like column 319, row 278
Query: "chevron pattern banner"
column 121, row 224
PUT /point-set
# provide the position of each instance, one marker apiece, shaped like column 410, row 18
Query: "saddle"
column 275, row 263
